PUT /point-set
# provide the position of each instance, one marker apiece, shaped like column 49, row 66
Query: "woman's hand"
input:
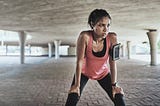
column 117, row 89
column 74, row 89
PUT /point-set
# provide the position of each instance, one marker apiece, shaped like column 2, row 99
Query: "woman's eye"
column 108, row 25
column 103, row 25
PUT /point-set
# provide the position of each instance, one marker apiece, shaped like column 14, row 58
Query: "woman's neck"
column 97, row 38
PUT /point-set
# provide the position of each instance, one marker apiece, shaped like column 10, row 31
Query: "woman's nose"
column 105, row 29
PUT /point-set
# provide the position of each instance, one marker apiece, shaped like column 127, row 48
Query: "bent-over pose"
column 93, row 53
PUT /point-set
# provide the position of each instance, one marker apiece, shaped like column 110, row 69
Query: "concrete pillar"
column 123, row 48
column 22, row 38
column 6, row 49
column 50, row 49
column 129, row 49
column 57, row 43
column 152, row 36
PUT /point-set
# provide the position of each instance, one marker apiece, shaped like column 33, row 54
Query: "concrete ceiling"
column 48, row 20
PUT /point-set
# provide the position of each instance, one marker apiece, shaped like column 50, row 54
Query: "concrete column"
column 50, row 49
column 129, row 49
column 22, row 38
column 6, row 49
column 152, row 36
column 57, row 43
column 123, row 48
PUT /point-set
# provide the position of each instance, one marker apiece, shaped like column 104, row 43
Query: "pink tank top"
column 95, row 67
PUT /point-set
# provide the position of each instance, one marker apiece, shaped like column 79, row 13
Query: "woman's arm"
column 113, row 68
column 112, row 63
column 81, row 46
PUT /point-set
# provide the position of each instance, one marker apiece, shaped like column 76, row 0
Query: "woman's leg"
column 73, row 98
column 107, row 86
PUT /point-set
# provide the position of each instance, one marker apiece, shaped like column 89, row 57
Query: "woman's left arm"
column 113, row 68
column 112, row 63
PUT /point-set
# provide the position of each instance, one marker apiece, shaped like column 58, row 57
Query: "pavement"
column 44, row 81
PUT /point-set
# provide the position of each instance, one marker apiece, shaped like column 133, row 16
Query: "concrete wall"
column 72, row 50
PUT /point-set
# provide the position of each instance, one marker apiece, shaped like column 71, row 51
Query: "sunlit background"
column 138, row 51
column 14, row 49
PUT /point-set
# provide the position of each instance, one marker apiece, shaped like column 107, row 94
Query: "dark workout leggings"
column 105, row 83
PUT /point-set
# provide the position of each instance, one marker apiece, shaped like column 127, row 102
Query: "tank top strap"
column 108, row 42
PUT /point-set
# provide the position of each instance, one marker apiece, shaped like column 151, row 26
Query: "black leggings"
column 105, row 83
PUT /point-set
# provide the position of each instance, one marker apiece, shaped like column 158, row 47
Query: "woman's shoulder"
column 112, row 34
column 112, row 37
column 86, row 34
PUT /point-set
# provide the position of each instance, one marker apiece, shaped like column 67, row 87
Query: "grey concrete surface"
column 48, row 20
column 45, row 82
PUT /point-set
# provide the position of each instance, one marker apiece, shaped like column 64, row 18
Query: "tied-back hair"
column 96, row 15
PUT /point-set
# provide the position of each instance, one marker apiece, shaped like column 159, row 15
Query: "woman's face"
column 101, row 28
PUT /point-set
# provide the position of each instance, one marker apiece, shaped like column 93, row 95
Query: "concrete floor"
column 45, row 82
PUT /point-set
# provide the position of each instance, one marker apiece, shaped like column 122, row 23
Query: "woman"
column 93, row 48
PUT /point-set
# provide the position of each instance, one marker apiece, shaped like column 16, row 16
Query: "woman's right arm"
column 81, row 47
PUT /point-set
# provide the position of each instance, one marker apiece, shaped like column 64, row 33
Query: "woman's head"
column 96, row 15
column 99, row 21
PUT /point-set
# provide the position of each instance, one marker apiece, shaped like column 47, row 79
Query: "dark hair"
column 96, row 15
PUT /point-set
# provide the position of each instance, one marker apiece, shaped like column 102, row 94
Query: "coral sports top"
column 96, row 67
